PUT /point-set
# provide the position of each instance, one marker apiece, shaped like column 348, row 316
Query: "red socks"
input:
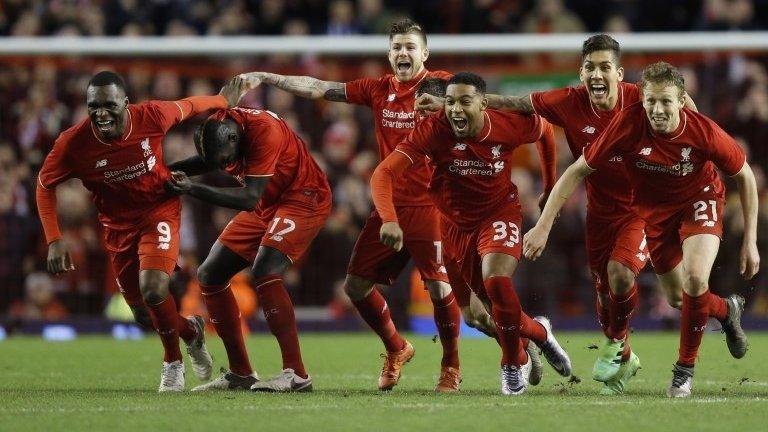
column 187, row 330
column 718, row 308
column 374, row 310
column 165, row 319
column 532, row 329
column 506, row 312
column 448, row 320
column 278, row 311
column 225, row 316
column 693, row 321
column 620, row 308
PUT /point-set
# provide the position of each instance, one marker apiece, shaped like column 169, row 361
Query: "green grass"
column 101, row 384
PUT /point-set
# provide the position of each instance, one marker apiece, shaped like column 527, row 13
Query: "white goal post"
column 362, row 45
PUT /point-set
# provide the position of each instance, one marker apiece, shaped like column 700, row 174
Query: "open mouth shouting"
column 460, row 125
column 598, row 90
column 403, row 67
column 106, row 127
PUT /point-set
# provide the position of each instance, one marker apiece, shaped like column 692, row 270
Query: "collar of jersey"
column 413, row 83
column 125, row 137
column 619, row 103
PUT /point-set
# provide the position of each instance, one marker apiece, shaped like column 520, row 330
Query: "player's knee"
column 438, row 290
column 269, row 261
column 695, row 284
column 357, row 288
column 621, row 278
column 154, row 286
column 206, row 274
column 142, row 318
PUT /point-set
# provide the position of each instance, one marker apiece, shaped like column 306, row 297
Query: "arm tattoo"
column 336, row 93
column 521, row 104
column 311, row 88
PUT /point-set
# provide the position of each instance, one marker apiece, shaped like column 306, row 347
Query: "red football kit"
column 677, row 190
column 297, row 199
column 126, row 177
column 392, row 104
column 614, row 231
column 470, row 185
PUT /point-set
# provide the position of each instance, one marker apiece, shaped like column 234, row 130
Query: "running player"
column 469, row 148
column 392, row 98
column 117, row 153
column 671, row 153
column 284, row 201
column 616, row 241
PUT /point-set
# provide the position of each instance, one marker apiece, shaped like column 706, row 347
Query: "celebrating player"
column 284, row 202
column 671, row 153
column 470, row 148
column 616, row 244
column 117, row 153
column 392, row 98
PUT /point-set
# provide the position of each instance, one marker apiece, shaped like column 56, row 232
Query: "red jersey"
column 608, row 193
column 125, row 176
column 667, row 169
column 271, row 149
column 392, row 103
column 471, row 177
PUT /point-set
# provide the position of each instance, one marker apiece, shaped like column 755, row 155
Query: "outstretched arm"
column 521, row 104
column 536, row 239
column 749, row 258
column 304, row 86
column 385, row 175
column 238, row 198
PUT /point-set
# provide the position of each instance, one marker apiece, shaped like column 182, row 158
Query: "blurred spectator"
column 551, row 16
column 39, row 301
column 341, row 18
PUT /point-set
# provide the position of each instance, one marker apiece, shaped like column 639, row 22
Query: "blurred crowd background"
column 42, row 96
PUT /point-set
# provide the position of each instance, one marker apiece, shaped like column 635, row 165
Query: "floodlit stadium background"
column 171, row 49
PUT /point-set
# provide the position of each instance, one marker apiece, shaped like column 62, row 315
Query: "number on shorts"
column 700, row 210
column 502, row 233
column 164, row 239
column 290, row 226
column 439, row 251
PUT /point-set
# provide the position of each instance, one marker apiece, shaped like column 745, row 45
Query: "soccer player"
column 117, row 153
column 616, row 244
column 392, row 97
column 671, row 153
column 284, row 201
column 469, row 148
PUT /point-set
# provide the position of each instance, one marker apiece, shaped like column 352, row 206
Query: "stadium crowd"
column 41, row 97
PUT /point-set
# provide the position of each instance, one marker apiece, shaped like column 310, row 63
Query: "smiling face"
column 106, row 107
column 601, row 74
column 662, row 102
column 464, row 107
column 407, row 54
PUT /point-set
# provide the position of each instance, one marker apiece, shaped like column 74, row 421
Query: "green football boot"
column 608, row 360
column 627, row 370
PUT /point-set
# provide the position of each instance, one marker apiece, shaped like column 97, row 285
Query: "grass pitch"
column 102, row 384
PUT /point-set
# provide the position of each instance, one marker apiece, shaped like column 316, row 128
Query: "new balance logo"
column 589, row 129
column 101, row 163
column 709, row 224
column 460, row 146
column 391, row 97
column 646, row 151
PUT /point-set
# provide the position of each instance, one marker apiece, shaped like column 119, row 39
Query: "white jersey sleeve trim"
column 406, row 155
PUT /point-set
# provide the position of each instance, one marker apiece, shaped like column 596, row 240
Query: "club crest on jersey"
column 101, row 163
column 460, row 146
column 686, row 165
column 496, row 151
column 589, row 129
column 391, row 97
column 145, row 147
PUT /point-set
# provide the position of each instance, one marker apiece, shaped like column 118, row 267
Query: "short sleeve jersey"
column 271, row 149
column 125, row 176
column 392, row 103
column 471, row 177
column 608, row 194
column 667, row 169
